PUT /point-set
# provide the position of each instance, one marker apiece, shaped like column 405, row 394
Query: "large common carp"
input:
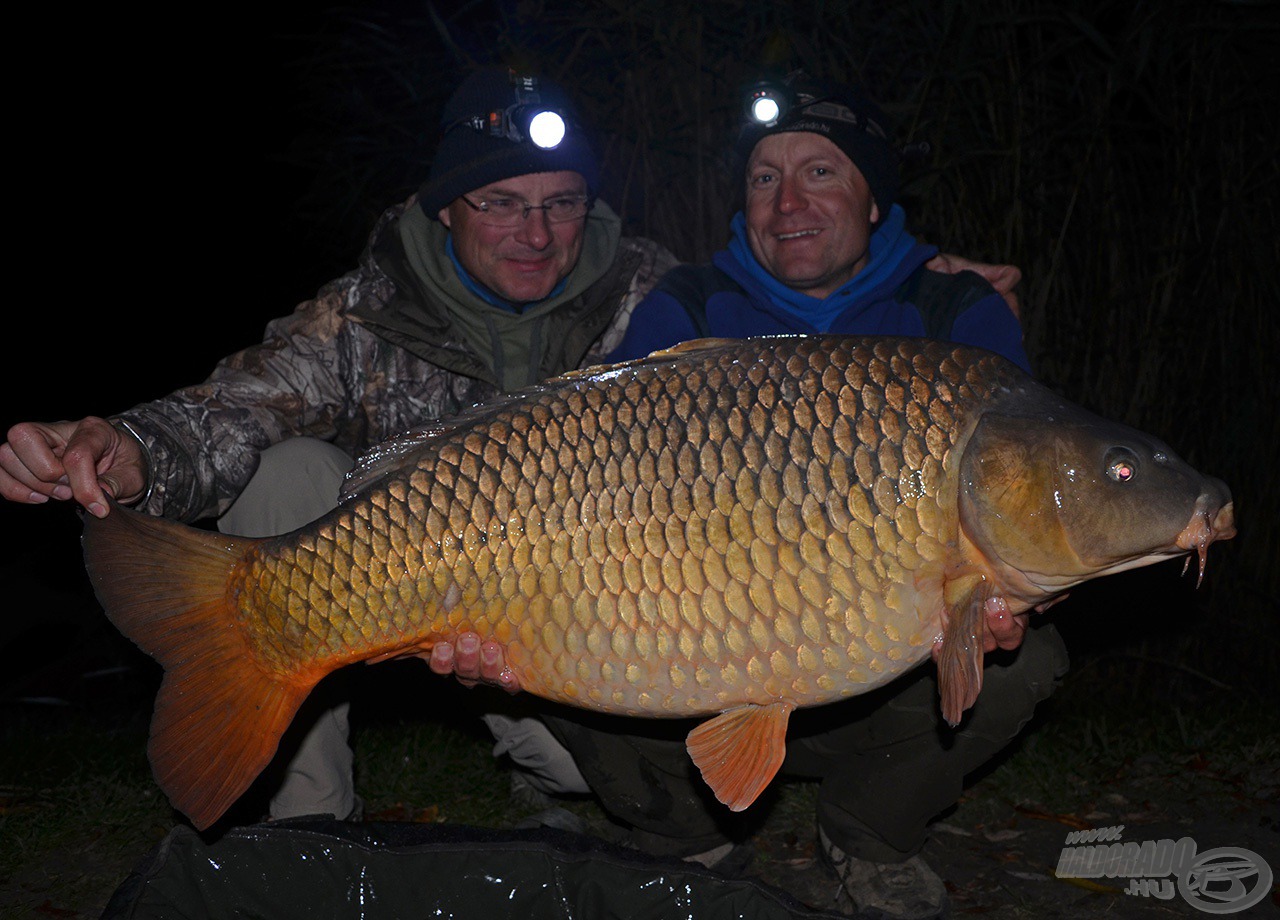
column 728, row 528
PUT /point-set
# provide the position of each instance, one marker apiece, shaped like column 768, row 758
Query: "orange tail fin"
column 218, row 717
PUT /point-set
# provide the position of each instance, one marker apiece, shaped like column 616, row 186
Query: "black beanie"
column 468, row 159
column 843, row 116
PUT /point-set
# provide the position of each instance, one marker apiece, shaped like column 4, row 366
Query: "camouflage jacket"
column 329, row 370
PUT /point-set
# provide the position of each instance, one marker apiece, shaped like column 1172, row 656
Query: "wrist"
column 121, row 425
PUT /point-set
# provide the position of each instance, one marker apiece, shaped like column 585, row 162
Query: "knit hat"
column 843, row 116
column 468, row 159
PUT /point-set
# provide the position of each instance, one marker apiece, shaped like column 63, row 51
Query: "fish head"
column 1059, row 496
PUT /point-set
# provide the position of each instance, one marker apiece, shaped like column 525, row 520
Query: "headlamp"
column 767, row 103
column 525, row 119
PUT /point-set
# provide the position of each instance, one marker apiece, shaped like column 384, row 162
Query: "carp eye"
column 1122, row 464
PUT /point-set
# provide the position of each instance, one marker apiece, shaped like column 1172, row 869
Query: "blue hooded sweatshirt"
column 870, row 303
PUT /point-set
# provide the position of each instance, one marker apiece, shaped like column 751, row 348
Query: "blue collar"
column 890, row 244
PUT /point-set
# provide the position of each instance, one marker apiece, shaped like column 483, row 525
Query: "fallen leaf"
column 1029, row 876
column 802, row 863
column 1068, row 820
column 998, row 836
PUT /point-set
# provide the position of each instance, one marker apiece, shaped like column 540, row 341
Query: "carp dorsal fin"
column 740, row 750
column 683, row 348
column 392, row 456
column 680, row 349
column 400, row 452
column 959, row 655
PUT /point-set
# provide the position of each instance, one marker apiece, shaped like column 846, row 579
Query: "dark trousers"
column 886, row 762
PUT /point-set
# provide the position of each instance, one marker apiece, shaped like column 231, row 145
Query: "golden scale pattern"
column 702, row 532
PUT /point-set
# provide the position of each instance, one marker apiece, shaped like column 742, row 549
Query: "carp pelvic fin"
column 959, row 658
column 740, row 751
column 218, row 717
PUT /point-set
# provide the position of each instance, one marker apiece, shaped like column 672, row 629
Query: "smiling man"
column 821, row 245
column 517, row 250
column 809, row 212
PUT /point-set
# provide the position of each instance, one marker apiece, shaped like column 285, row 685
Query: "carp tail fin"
column 218, row 715
column 214, row 730
column 741, row 750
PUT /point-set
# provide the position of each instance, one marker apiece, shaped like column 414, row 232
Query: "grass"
column 77, row 808
column 1228, row 747
column 411, row 768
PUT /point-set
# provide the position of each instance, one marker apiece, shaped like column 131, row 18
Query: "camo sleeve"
column 655, row 261
column 301, row 379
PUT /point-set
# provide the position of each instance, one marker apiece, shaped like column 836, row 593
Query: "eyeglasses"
column 510, row 212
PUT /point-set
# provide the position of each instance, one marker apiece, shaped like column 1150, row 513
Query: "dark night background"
column 180, row 178
column 153, row 234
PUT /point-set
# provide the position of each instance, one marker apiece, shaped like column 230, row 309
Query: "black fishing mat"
column 400, row 871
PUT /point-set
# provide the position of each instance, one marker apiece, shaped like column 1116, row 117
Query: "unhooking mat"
column 400, row 871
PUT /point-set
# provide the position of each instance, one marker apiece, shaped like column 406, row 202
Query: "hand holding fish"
column 90, row 461
column 473, row 661
column 1003, row 629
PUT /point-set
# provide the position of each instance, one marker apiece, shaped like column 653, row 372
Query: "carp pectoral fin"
column 218, row 715
column 960, row 656
column 740, row 751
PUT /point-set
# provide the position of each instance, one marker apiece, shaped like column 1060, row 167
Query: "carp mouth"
column 1204, row 528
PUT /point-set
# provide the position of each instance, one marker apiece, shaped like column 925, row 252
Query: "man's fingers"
column 1003, row 629
column 88, row 461
column 100, row 463
column 441, row 660
column 1004, row 278
column 466, row 656
column 491, row 663
column 19, row 484
column 508, row 681
column 461, row 658
column 473, row 661
column 493, row 667
column 1015, row 638
column 30, row 468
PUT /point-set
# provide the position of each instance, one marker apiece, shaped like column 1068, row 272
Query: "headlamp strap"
column 834, row 111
